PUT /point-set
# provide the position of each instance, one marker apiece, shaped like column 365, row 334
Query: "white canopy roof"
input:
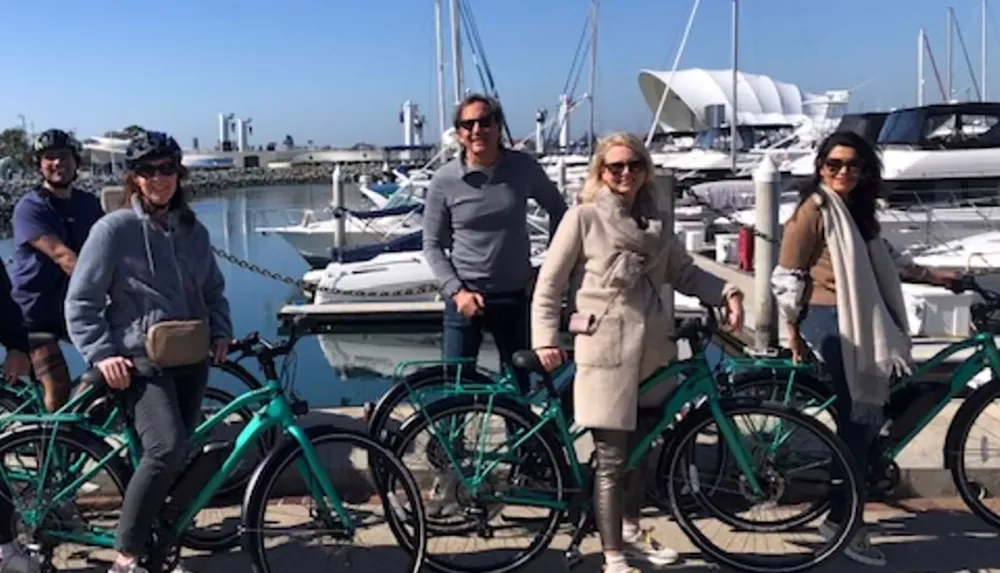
column 760, row 99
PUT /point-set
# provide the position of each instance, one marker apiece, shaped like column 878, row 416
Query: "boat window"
column 717, row 139
column 979, row 130
column 901, row 127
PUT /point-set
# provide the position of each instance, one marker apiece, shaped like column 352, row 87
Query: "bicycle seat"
column 528, row 360
column 93, row 377
column 39, row 338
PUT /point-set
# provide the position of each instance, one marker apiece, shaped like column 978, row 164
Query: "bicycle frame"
column 274, row 411
column 699, row 383
column 985, row 355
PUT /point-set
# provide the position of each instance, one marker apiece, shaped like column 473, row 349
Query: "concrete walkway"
column 922, row 536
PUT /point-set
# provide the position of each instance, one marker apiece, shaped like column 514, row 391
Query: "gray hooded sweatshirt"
column 132, row 273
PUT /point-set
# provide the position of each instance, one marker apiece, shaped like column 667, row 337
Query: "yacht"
column 936, row 155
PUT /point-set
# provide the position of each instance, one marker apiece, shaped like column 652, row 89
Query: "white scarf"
column 870, row 310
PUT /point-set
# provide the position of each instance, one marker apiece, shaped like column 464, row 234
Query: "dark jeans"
column 504, row 315
column 165, row 409
column 820, row 329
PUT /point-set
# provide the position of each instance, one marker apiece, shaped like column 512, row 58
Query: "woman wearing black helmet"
column 146, row 304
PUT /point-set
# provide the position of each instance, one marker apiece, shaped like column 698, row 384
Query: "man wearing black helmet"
column 51, row 222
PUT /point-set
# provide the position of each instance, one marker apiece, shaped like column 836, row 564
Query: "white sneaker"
column 645, row 547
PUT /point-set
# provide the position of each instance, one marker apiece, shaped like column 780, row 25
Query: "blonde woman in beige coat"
column 616, row 239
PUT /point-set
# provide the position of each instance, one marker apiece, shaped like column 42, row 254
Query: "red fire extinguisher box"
column 744, row 244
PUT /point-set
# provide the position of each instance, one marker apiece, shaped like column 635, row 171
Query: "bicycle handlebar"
column 253, row 345
column 985, row 315
column 698, row 331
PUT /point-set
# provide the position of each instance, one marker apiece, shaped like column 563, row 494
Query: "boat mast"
column 456, row 50
column 733, row 120
column 593, row 73
column 920, row 68
column 440, row 66
column 982, row 55
column 948, row 56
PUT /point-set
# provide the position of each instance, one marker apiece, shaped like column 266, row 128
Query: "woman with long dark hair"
column 146, row 305
column 838, row 287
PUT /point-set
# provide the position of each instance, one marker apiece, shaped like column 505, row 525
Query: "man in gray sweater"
column 476, row 234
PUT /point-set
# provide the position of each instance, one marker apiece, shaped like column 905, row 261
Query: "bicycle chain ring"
column 885, row 479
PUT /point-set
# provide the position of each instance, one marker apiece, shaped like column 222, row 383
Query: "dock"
column 424, row 317
column 387, row 317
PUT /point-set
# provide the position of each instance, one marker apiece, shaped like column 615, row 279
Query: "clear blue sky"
column 337, row 71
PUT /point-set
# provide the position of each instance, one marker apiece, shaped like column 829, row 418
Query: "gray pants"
column 165, row 409
column 617, row 493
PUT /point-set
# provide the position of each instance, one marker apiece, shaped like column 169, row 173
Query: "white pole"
column 456, row 50
column 982, row 74
column 440, row 66
column 766, row 180
column 673, row 70
column 948, row 57
column 733, row 133
column 920, row 68
column 339, row 230
column 593, row 73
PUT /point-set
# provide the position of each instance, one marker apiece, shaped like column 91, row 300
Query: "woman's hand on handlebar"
column 734, row 312
column 220, row 349
column 117, row 371
column 550, row 357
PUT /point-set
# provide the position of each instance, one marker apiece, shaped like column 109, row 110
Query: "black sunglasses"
column 485, row 122
column 835, row 165
column 149, row 169
column 618, row 167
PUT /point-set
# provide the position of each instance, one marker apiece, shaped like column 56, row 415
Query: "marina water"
column 333, row 370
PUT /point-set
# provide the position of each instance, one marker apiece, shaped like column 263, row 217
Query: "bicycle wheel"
column 95, row 507
column 273, row 487
column 780, row 487
column 213, row 529
column 537, row 468
column 423, row 385
column 959, row 452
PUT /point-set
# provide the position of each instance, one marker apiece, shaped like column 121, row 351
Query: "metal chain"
column 257, row 269
column 303, row 285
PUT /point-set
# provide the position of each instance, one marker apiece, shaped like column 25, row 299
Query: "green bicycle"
column 103, row 416
column 418, row 383
column 28, row 397
column 914, row 402
column 542, row 470
column 46, row 459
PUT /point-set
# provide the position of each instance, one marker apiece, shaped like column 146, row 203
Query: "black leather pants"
column 617, row 493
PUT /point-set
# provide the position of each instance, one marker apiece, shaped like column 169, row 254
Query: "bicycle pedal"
column 573, row 557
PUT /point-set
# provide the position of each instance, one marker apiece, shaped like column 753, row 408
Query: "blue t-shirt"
column 39, row 284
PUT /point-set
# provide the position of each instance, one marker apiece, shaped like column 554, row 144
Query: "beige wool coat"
column 631, row 339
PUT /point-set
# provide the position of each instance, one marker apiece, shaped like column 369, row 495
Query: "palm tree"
column 14, row 143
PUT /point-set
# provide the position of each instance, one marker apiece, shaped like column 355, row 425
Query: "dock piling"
column 339, row 230
column 766, row 187
column 666, row 183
